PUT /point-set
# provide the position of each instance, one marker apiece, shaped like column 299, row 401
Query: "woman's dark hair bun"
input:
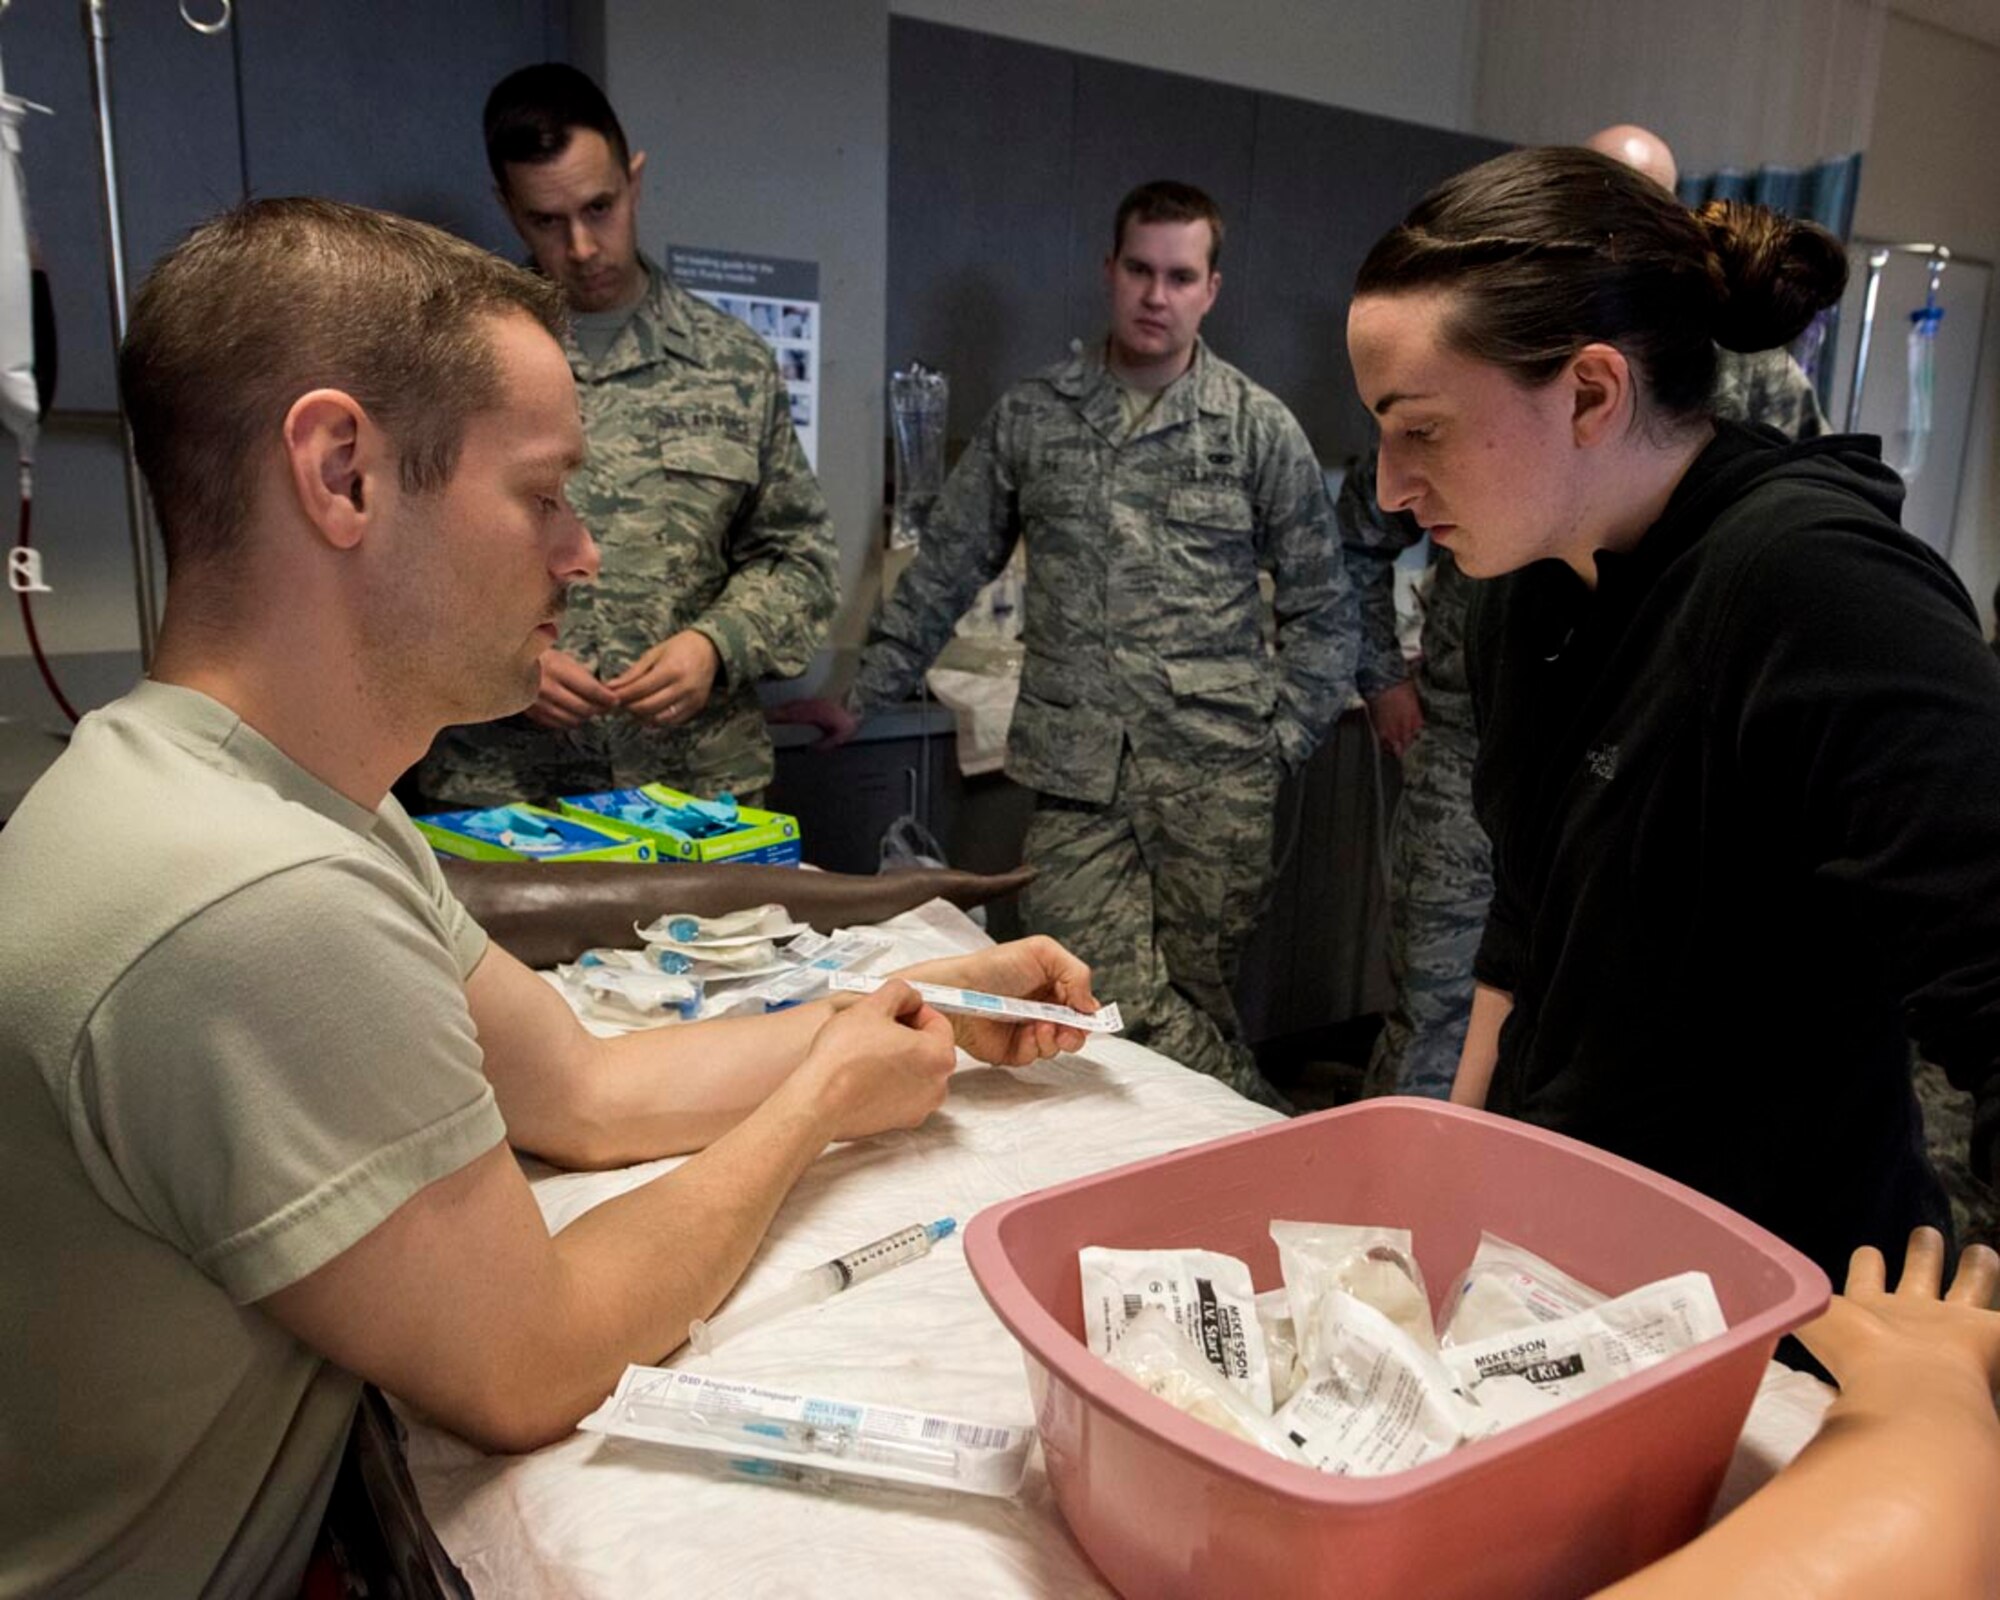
column 1774, row 273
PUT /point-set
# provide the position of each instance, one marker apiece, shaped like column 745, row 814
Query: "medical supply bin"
column 1167, row 1506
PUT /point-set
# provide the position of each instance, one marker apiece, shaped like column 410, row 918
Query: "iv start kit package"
column 681, row 827
column 1368, row 1385
column 808, row 1439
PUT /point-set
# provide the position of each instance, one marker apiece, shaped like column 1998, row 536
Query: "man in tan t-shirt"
column 259, row 1072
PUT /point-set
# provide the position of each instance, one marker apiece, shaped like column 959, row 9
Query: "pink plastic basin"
column 1167, row 1506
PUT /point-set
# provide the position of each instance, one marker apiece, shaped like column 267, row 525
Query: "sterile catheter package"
column 975, row 1003
column 1372, row 1389
column 738, row 944
column 683, row 827
column 730, row 930
column 625, row 986
column 812, row 959
column 840, row 1437
column 677, row 981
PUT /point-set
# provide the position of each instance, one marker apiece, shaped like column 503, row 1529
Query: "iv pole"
column 97, row 28
column 1878, row 259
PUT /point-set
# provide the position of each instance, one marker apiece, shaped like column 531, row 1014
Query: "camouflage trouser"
column 1975, row 1208
column 1158, row 893
column 492, row 763
column 1440, row 881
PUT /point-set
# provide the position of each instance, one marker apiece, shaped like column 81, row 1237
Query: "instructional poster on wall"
column 779, row 300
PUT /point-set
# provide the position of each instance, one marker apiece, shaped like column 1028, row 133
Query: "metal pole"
column 1877, row 260
column 97, row 25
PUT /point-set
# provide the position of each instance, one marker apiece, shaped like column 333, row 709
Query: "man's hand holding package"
column 1026, row 969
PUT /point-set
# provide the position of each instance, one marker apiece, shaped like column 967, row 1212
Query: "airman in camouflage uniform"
column 1153, row 721
column 1768, row 386
column 709, row 519
column 1440, row 863
column 710, row 523
column 1975, row 1205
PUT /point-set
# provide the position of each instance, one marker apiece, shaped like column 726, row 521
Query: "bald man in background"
column 1765, row 386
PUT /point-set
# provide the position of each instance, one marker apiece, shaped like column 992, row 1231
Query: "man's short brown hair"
column 280, row 297
column 1164, row 200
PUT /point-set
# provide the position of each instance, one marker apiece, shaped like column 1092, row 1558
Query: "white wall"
column 1412, row 59
column 1931, row 174
column 1786, row 82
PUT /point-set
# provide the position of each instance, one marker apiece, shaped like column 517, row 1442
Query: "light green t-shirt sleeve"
column 271, row 1080
column 396, row 834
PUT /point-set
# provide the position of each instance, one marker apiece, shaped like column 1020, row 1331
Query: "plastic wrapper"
column 1507, row 1288
column 819, row 1435
column 1281, row 1344
column 1375, row 1400
column 1516, row 1376
column 1205, row 1294
column 1157, row 1356
column 810, row 961
column 754, row 958
column 733, row 930
column 1375, row 1265
column 625, row 986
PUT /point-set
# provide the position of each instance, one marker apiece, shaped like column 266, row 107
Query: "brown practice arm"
column 542, row 913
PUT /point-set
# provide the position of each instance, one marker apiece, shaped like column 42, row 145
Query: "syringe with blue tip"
column 823, row 1282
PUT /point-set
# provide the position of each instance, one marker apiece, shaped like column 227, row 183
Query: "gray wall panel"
column 375, row 101
column 982, row 180
column 994, row 175
column 1134, row 125
column 1328, row 184
column 379, row 103
column 174, row 117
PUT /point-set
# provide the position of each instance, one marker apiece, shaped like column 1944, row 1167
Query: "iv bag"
column 20, row 407
column 918, row 399
column 1912, row 441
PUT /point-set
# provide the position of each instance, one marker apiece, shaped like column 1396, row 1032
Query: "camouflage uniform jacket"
column 1143, row 622
column 1768, row 386
column 1372, row 539
column 708, row 518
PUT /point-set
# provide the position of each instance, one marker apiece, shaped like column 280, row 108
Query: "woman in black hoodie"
column 1739, row 734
